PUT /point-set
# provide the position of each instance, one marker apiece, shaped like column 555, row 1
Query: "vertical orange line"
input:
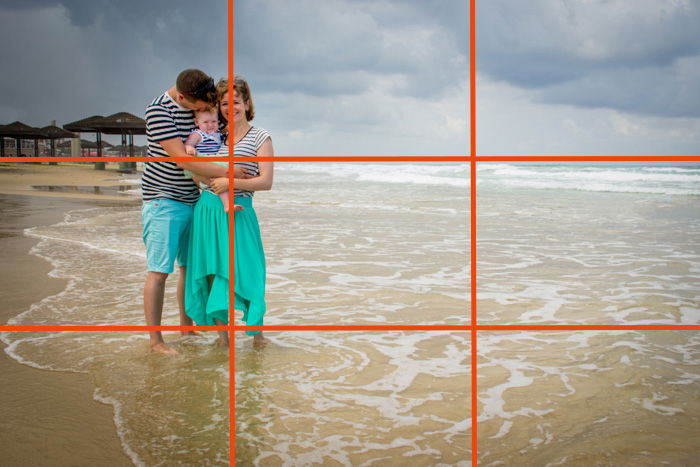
column 472, row 185
column 232, row 343
column 472, row 75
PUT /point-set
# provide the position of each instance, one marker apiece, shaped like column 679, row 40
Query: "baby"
column 206, row 140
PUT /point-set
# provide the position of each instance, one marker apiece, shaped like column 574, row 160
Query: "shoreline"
column 47, row 417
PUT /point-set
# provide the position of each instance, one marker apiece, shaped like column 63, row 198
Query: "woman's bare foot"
column 160, row 347
column 190, row 333
column 259, row 341
column 223, row 335
column 223, row 339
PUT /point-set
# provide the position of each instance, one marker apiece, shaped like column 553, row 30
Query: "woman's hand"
column 200, row 179
column 219, row 185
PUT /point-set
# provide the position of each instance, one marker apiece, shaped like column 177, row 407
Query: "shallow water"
column 167, row 411
column 587, row 258
column 589, row 398
column 354, row 399
column 389, row 244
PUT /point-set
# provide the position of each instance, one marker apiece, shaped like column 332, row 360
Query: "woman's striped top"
column 165, row 119
column 248, row 147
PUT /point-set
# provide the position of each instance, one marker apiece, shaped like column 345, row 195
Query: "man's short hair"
column 196, row 85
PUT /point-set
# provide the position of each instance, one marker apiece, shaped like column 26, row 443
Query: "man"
column 169, row 195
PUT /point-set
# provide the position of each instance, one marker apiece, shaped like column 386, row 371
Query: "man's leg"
column 153, row 297
column 184, row 319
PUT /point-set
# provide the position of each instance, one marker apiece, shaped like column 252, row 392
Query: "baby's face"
column 207, row 121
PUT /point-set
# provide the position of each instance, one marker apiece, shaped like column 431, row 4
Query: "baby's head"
column 207, row 120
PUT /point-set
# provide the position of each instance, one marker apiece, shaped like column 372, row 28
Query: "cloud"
column 341, row 47
column 637, row 56
column 67, row 60
column 357, row 77
column 511, row 122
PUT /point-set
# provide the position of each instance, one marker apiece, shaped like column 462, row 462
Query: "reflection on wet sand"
column 96, row 189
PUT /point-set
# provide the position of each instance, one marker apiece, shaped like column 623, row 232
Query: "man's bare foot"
column 259, row 341
column 164, row 349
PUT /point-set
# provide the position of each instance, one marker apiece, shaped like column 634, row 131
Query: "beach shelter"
column 86, row 125
column 53, row 133
column 20, row 131
column 121, row 123
column 126, row 125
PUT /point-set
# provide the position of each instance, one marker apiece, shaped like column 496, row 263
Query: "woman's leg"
column 259, row 340
column 223, row 335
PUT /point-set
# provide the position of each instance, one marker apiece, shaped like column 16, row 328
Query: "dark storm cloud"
column 638, row 56
column 337, row 47
column 69, row 59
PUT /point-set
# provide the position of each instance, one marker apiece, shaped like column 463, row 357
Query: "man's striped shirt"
column 165, row 119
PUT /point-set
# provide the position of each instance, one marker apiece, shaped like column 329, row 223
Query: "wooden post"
column 52, row 142
column 75, row 147
column 99, row 165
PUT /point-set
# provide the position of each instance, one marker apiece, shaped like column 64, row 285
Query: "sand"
column 47, row 418
column 65, row 180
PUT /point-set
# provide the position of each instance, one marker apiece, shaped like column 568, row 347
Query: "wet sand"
column 46, row 417
column 66, row 180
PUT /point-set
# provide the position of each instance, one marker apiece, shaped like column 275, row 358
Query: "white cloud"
column 512, row 121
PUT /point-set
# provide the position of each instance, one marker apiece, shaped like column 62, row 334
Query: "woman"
column 206, row 289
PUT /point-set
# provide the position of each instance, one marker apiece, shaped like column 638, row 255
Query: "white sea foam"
column 456, row 175
column 616, row 179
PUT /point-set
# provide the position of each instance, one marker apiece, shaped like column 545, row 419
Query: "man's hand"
column 239, row 172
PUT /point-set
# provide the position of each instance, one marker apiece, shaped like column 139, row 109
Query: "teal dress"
column 207, row 278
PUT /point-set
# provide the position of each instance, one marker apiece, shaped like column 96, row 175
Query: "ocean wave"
column 617, row 179
column 456, row 175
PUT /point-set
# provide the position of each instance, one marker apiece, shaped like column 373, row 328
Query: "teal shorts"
column 166, row 233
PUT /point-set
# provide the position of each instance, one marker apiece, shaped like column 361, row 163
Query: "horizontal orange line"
column 481, row 327
column 367, row 159
column 247, row 159
column 114, row 328
column 585, row 327
column 237, row 328
column 586, row 158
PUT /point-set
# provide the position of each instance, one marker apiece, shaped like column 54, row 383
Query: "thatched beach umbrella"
column 86, row 125
column 127, row 125
column 20, row 131
column 121, row 123
column 53, row 133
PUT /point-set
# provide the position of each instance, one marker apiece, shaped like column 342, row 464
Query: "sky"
column 378, row 77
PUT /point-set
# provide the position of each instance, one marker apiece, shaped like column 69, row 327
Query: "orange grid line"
column 361, row 327
column 472, row 236
column 232, row 335
column 434, row 158
column 473, row 158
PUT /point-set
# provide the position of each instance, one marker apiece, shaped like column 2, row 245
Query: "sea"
column 389, row 244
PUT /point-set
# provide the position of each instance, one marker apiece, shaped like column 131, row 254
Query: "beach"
column 367, row 244
column 48, row 418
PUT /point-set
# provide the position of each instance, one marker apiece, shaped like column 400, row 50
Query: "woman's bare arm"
column 263, row 181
